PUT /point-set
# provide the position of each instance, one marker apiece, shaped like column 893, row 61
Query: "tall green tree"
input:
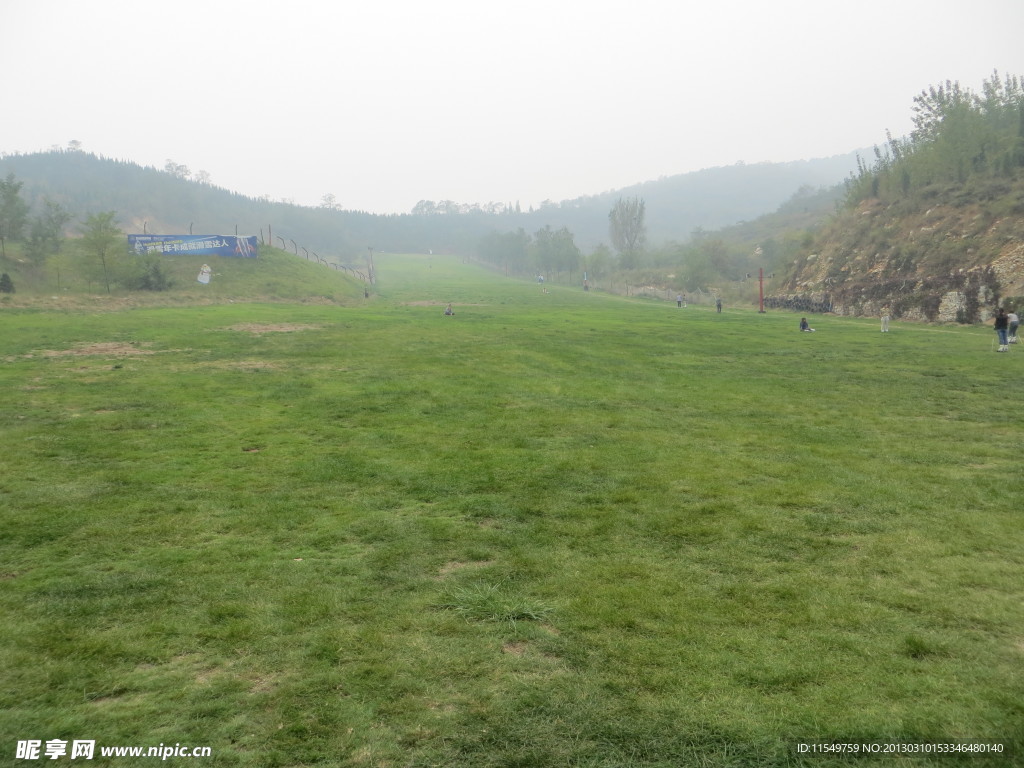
column 565, row 254
column 542, row 251
column 13, row 211
column 330, row 202
column 47, row 232
column 599, row 262
column 103, row 240
column 705, row 263
column 554, row 251
column 509, row 250
column 1018, row 151
column 628, row 230
column 178, row 170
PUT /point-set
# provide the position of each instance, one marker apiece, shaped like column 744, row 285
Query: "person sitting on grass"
column 805, row 326
column 448, row 310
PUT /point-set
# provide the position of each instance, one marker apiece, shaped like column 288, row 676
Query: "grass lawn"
column 556, row 529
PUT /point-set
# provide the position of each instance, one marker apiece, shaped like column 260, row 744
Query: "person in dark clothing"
column 1002, row 327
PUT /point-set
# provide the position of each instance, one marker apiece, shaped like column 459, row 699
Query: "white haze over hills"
column 388, row 103
column 142, row 197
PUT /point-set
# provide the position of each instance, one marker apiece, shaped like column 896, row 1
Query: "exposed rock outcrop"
column 952, row 259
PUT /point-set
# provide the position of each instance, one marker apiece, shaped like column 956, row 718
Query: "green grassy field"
column 557, row 529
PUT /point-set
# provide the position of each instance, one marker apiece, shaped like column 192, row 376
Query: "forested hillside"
column 707, row 200
column 934, row 228
column 165, row 201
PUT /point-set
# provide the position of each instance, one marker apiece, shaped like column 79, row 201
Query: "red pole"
column 760, row 290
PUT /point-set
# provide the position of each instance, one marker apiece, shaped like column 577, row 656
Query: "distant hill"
column 159, row 202
column 708, row 199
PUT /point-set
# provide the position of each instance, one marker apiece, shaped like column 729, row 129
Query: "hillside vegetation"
column 73, row 277
column 931, row 230
column 934, row 230
column 167, row 201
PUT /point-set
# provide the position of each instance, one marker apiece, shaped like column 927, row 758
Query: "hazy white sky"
column 387, row 102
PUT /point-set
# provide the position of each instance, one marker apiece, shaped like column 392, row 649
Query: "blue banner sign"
column 194, row 245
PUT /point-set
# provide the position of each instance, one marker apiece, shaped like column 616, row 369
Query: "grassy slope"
column 275, row 276
column 556, row 529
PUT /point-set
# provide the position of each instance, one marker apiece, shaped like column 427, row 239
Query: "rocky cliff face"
column 950, row 255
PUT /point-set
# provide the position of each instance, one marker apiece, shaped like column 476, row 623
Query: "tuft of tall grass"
column 497, row 602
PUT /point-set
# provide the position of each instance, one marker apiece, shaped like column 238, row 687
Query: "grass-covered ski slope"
column 555, row 529
column 75, row 281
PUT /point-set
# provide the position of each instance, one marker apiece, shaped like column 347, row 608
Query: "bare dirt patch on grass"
column 459, row 565
column 248, row 365
column 99, row 348
column 438, row 304
column 258, row 328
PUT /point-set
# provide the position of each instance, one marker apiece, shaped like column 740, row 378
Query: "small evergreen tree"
column 6, row 285
column 153, row 278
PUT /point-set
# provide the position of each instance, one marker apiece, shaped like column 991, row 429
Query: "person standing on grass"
column 1002, row 326
column 718, row 305
column 885, row 320
column 679, row 300
column 1014, row 323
